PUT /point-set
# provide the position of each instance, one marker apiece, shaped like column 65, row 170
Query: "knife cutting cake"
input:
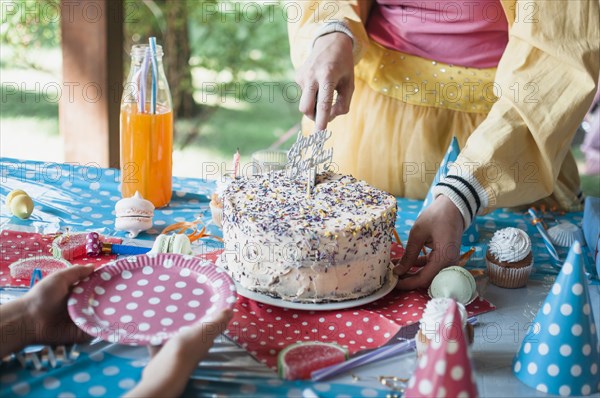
column 331, row 245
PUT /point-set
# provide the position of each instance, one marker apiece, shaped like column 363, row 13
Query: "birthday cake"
column 331, row 245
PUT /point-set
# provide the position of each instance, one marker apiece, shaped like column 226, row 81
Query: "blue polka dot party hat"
column 449, row 158
column 471, row 235
column 561, row 354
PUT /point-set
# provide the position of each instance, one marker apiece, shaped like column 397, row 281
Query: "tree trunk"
column 177, row 55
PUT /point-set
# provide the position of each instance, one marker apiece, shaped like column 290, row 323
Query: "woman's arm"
column 326, row 38
column 307, row 19
column 546, row 80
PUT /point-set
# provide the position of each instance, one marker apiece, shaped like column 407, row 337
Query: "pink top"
column 460, row 32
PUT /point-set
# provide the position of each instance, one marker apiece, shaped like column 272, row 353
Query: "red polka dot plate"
column 146, row 299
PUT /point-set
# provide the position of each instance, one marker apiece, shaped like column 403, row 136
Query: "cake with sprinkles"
column 331, row 246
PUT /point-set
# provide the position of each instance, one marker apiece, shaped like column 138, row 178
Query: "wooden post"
column 92, row 48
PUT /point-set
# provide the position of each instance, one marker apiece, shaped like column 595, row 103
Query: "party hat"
column 449, row 158
column 560, row 354
column 445, row 368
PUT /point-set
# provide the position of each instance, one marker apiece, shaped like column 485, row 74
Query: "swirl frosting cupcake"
column 431, row 324
column 509, row 258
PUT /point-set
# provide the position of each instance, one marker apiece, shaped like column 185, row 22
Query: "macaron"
column 454, row 282
column 134, row 215
column 180, row 244
column 176, row 243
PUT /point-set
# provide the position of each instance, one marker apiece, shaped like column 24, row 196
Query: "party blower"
column 176, row 243
column 94, row 247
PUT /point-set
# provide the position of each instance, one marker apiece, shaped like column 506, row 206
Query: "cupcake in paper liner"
column 431, row 325
column 216, row 202
column 509, row 259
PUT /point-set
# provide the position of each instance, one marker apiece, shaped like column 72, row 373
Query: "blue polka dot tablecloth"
column 111, row 371
column 82, row 198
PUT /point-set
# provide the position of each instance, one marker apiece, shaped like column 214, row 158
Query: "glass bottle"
column 146, row 131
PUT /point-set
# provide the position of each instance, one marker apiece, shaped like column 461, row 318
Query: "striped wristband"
column 465, row 192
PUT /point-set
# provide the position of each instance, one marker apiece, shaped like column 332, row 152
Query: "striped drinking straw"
column 154, row 58
column 537, row 221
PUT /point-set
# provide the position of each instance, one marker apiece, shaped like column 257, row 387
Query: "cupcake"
column 216, row 202
column 431, row 324
column 509, row 259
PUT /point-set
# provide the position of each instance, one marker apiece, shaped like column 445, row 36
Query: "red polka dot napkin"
column 264, row 330
column 15, row 245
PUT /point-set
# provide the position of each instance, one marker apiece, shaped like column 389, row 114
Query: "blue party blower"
column 94, row 247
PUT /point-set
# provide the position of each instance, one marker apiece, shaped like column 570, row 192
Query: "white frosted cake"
column 332, row 246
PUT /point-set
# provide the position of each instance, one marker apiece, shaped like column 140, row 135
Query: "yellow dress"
column 514, row 123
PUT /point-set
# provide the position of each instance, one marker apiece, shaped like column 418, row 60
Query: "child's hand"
column 440, row 227
column 40, row 316
column 201, row 336
column 167, row 374
column 46, row 307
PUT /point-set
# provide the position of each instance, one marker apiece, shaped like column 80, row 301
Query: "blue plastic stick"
column 129, row 250
column 36, row 276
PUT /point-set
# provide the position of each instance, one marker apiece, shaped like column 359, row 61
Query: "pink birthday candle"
column 236, row 163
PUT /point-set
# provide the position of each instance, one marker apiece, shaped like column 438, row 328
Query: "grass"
column 18, row 104
column 590, row 184
column 29, row 125
column 250, row 126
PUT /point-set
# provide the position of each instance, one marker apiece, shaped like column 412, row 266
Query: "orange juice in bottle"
column 146, row 131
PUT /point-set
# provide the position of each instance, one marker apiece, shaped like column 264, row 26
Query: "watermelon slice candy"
column 297, row 361
column 23, row 269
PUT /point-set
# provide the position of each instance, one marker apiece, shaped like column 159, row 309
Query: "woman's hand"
column 329, row 68
column 439, row 227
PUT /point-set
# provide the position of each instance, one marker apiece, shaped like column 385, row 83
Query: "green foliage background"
column 27, row 25
column 235, row 37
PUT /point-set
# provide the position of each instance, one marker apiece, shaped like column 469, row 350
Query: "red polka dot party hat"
column 445, row 368
column 560, row 354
